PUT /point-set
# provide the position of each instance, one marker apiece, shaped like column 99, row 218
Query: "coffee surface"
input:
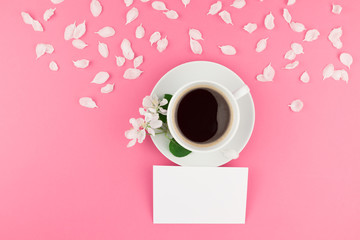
column 197, row 115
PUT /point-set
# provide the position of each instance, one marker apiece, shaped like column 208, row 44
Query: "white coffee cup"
column 225, row 132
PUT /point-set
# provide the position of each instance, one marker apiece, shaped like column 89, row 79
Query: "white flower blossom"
column 141, row 126
column 152, row 104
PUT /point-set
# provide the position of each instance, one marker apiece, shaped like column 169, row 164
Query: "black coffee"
column 198, row 115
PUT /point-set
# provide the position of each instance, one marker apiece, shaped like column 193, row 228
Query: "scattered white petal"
column 311, row 35
column 269, row 72
column 296, row 105
column 79, row 30
column 215, row 8
column 128, row 2
column 171, row 14
column 158, row 5
column 338, row 44
column 57, row 1
column 346, row 59
column 108, row 88
column 344, row 75
column 101, row 77
column 132, row 73
column 292, row 65
column 291, row 2
column 48, row 13
column 297, row 48
column 79, row 44
column 226, row 17
column 140, row 32
column 37, row 26
column 162, row 44
column 238, row 4
column 269, row 21
column 195, row 34
column 228, row 50
column 261, row 45
column 305, row 78
column 83, row 63
column 290, row 55
column 87, row 102
column 185, row 2
column 297, row 27
column 336, row 75
column 144, row 0
column 131, row 15
column 250, row 27
column 69, row 31
column 127, row 51
column 195, row 46
column 138, row 61
column 155, row 37
column 53, row 66
column 328, row 71
column 103, row 49
column 106, row 32
column 27, row 18
column 334, row 37
column 336, row 9
column 287, row 16
column 43, row 48
column 49, row 49
column 261, row 78
column 95, row 8
column 120, row 61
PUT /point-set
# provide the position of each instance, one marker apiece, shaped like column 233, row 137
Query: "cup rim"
column 230, row 132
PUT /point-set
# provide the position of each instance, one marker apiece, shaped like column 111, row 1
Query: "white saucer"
column 191, row 71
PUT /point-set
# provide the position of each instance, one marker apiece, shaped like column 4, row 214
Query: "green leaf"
column 177, row 150
column 161, row 116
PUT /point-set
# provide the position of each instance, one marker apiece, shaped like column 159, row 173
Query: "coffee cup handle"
column 242, row 91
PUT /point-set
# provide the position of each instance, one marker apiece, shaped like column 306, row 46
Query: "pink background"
column 65, row 172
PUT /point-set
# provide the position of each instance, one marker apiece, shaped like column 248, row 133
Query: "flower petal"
column 162, row 44
column 101, row 77
column 103, row 49
column 132, row 73
column 106, row 32
column 226, row 17
column 127, row 50
column 131, row 15
column 215, row 8
column 228, row 50
column 346, row 59
column 269, row 21
column 53, row 66
column 328, row 71
column 87, row 102
column 195, row 46
column 95, row 8
column 305, row 78
column 261, row 45
column 159, row 5
column 140, row 32
column 79, row 30
column 108, row 88
column 250, row 27
column 296, row 105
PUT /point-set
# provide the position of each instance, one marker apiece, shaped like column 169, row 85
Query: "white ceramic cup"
column 228, row 131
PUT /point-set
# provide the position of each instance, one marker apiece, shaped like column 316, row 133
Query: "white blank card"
column 199, row 194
